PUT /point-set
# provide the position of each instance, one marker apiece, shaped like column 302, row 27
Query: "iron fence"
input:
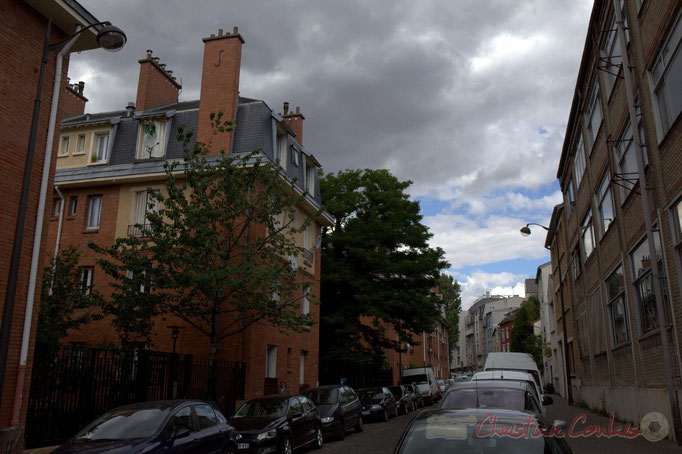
column 72, row 386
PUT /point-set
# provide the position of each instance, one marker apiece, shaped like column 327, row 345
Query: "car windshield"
column 396, row 390
column 265, row 408
column 512, row 399
column 323, row 396
column 372, row 393
column 125, row 424
column 416, row 379
column 462, row 437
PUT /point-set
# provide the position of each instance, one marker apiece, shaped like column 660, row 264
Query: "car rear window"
column 512, row 399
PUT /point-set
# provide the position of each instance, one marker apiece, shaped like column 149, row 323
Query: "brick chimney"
column 156, row 86
column 73, row 101
column 219, row 86
column 295, row 121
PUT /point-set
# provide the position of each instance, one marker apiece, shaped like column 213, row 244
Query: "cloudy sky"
column 467, row 98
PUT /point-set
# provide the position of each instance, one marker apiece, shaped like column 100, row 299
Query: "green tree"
column 522, row 337
column 64, row 301
column 216, row 252
column 452, row 301
column 378, row 267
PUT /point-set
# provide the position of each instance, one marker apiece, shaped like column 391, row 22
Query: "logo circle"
column 654, row 426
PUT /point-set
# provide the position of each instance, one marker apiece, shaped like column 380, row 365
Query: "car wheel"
column 319, row 440
column 286, row 446
column 229, row 450
column 360, row 426
column 384, row 416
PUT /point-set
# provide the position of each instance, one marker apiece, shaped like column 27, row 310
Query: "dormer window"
column 100, row 151
column 281, row 151
column 310, row 179
column 294, row 156
column 151, row 139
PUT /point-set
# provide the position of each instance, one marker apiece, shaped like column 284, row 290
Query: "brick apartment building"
column 504, row 329
column 103, row 170
column 24, row 30
column 624, row 102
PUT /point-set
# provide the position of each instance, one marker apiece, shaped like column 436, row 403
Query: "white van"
column 516, row 376
column 513, row 361
column 424, row 379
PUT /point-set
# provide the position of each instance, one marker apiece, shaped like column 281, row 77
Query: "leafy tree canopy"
column 523, row 338
column 377, row 266
column 452, row 301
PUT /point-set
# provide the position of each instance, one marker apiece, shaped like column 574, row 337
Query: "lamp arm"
column 539, row 225
column 60, row 43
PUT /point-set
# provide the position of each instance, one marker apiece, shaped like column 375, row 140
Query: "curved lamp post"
column 525, row 231
column 110, row 38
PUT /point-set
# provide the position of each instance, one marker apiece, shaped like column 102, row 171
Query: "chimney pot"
column 81, row 85
column 212, row 35
column 149, row 53
column 298, row 110
column 162, row 65
column 220, row 32
column 130, row 108
column 169, row 72
column 286, row 108
column 235, row 30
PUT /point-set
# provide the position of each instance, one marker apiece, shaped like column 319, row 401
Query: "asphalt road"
column 377, row 438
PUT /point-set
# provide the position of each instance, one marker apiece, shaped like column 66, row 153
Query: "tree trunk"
column 212, row 372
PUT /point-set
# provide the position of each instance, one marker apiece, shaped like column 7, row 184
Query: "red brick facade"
column 155, row 87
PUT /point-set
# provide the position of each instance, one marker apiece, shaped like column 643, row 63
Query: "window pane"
column 619, row 321
column 641, row 260
column 588, row 235
column 615, row 283
column 605, row 203
column 667, row 73
column 65, row 146
column 81, row 144
column 102, row 145
column 206, row 416
column 95, row 209
column 579, row 161
column 677, row 213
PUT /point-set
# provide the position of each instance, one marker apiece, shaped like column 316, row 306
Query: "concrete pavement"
column 600, row 445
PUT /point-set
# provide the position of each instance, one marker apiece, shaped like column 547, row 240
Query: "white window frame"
column 569, row 195
column 604, row 198
column 294, row 156
column 100, row 154
column 625, row 158
column 80, row 145
column 612, row 61
column 271, row 361
column 585, row 226
column 593, row 106
column 91, row 205
column 614, row 300
column 305, row 300
column 64, row 146
column 73, row 206
column 281, row 151
column 579, row 161
column 86, row 278
column 644, row 286
column 137, row 208
column 310, row 179
column 301, row 367
column 144, row 148
column 669, row 55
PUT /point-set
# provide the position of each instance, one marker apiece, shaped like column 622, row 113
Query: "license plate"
column 365, row 413
column 242, row 446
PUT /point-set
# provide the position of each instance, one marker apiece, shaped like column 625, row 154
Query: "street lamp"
column 175, row 333
column 525, row 231
column 112, row 39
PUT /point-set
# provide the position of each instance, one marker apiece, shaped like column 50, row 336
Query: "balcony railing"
column 308, row 256
column 139, row 230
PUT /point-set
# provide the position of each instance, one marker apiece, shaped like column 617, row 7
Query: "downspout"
column 35, row 257
column 61, row 220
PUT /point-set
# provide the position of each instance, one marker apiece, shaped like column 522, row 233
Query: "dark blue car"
column 170, row 426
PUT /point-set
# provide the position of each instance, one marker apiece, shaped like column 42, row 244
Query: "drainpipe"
column 35, row 257
column 665, row 346
column 61, row 220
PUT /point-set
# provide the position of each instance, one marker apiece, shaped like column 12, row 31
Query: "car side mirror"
column 180, row 432
column 547, row 400
column 560, row 424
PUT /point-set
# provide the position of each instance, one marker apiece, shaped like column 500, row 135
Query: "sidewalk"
column 601, row 445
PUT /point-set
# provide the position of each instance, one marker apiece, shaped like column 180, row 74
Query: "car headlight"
column 267, row 435
column 238, row 437
column 376, row 407
column 327, row 419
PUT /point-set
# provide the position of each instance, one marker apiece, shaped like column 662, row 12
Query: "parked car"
column 441, row 385
column 513, row 361
column 469, row 430
column 507, row 394
column 424, row 379
column 278, row 423
column 377, row 403
column 340, row 409
column 170, row 426
column 416, row 395
column 403, row 398
column 514, row 375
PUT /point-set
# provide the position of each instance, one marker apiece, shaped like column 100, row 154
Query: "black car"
column 477, row 430
column 340, row 409
column 377, row 403
column 416, row 395
column 509, row 394
column 403, row 398
column 279, row 423
column 172, row 426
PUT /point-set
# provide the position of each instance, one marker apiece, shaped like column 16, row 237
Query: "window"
column 80, row 149
column 271, row 361
column 64, row 150
column 181, row 420
column 73, row 205
column 281, row 151
column 151, row 142
column 206, row 416
column 677, row 215
column 579, row 161
column 305, row 304
column 612, row 60
column 94, row 211
column 56, row 207
column 310, row 179
column 301, row 371
column 666, row 75
column 587, row 235
column 596, row 334
column 583, row 337
column 626, row 162
column 593, row 116
column 143, row 204
column 644, row 285
column 86, row 279
column 615, row 292
column 605, row 201
column 570, row 197
column 145, row 283
column 294, row 156
column 100, row 153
